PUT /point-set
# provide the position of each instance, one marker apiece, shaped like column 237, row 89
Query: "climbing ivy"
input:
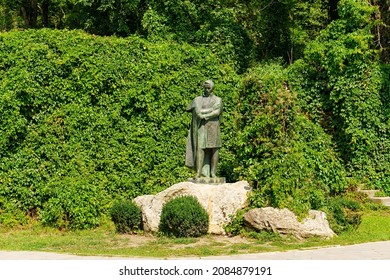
column 87, row 118
column 339, row 83
column 288, row 159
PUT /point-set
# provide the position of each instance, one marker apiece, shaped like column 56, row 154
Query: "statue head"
column 208, row 87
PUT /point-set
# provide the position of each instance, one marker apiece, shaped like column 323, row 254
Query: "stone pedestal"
column 220, row 201
column 208, row 180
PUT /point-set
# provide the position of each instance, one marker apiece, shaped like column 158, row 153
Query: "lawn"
column 103, row 241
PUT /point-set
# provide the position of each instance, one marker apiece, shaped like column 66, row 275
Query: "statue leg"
column 199, row 163
column 206, row 163
column 214, row 162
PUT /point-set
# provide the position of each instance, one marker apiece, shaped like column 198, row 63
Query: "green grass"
column 380, row 194
column 103, row 241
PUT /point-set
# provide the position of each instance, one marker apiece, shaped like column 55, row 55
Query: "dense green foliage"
column 87, row 119
column 184, row 217
column 240, row 32
column 289, row 160
column 341, row 89
column 248, row 30
column 126, row 215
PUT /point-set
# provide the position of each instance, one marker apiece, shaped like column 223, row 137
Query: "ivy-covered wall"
column 86, row 119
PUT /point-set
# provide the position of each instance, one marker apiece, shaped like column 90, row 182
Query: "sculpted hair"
column 210, row 82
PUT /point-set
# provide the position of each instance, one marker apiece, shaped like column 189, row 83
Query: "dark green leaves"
column 85, row 119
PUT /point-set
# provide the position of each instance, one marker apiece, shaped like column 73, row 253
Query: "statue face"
column 208, row 87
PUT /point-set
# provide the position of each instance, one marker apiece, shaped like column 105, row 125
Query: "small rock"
column 285, row 222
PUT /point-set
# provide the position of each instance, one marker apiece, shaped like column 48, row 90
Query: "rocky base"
column 221, row 202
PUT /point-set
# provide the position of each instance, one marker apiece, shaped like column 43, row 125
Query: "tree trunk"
column 382, row 32
column 29, row 13
column 23, row 14
column 45, row 12
column 33, row 13
column 333, row 12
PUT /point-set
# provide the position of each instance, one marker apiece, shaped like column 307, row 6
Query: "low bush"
column 74, row 203
column 10, row 215
column 236, row 224
column 184, row 217
column 127, row 216
column 343, row 214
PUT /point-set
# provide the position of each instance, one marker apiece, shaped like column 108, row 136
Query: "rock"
column 316, row 224
column 220, row 201
column 285, row 222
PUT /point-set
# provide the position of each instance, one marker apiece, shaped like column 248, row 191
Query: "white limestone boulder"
column 220, row 201
column 285, row 222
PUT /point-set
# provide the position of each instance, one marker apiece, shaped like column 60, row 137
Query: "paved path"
column 365, row 251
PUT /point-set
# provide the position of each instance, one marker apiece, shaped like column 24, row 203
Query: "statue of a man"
column 204, row 137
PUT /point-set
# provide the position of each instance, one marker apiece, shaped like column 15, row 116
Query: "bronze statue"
column 204, row 139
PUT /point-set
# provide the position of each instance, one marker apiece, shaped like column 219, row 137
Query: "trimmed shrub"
column 184, row 217
column 126, row 215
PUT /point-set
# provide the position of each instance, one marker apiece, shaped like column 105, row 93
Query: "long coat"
column 205, row 130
